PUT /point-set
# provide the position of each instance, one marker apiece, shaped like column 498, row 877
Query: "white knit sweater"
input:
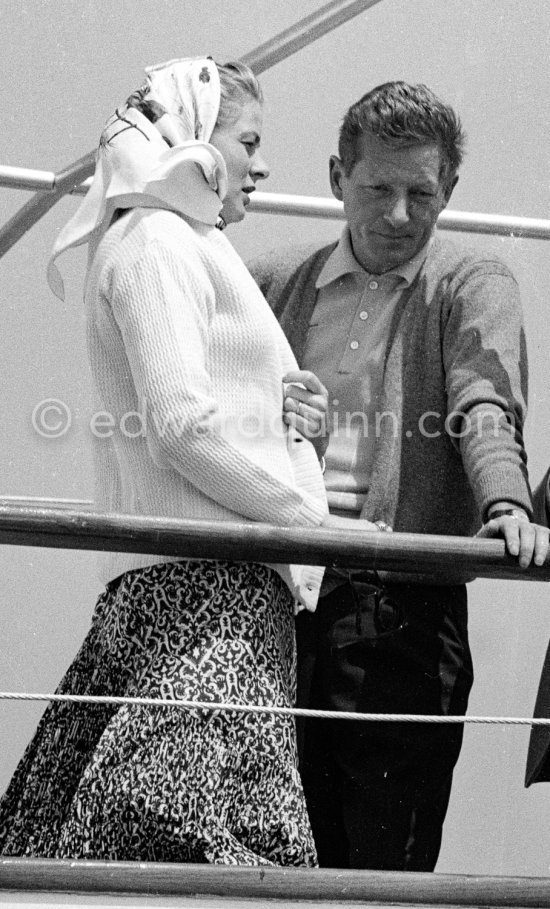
column 188, row 360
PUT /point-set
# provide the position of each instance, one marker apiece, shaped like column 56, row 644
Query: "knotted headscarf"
column 154, row 152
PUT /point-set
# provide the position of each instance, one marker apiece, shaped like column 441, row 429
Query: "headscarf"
column 154, row 152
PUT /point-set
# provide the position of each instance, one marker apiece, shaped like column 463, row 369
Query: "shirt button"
column 363, row 315
column 354, row 345
column 373, row 285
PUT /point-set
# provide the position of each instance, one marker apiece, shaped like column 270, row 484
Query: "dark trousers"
column 377, row 793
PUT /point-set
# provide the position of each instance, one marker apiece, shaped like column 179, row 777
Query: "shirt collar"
column 343, row 262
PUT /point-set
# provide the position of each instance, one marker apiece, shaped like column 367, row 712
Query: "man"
column 421, row 347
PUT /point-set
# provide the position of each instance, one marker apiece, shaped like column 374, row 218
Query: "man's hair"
column 403, row 115
column 238, row 84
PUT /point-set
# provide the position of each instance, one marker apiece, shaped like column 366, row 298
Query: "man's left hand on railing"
column 528, row 541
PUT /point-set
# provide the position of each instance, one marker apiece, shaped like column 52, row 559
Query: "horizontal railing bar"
column 301, row 206
column 39, row 180
column 499, row 225
column 464, row 221
column 27, row 178
column 318, row 207
column 265, row 883
column 472, row 222
column 403, row 552
column 46, row 502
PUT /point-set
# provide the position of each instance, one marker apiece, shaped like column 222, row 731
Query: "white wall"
column 64, row 65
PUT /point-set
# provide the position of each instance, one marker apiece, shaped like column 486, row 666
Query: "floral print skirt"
column 166, row 783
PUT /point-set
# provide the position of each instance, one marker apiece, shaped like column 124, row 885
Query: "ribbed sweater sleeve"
column 163, row 304
column 486, row 370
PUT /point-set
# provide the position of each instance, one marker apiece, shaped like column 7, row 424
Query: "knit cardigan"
column 188, row 361
column 450, row 434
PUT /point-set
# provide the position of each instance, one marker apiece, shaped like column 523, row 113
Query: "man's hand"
column 305, row 407
column 524, row 539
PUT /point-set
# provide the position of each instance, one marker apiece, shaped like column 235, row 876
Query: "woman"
column 188, row 363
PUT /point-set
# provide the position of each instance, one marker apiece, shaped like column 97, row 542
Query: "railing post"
column 304, row 32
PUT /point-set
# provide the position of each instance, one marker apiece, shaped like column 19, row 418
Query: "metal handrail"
column 46, row 502
column 311, row 885
column 314, row 207
column 304, row 32
column 471, row 222
column 266, row 55
column 426, row 554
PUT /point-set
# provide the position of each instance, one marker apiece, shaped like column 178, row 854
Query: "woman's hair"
column 402, row 115
column 238, row 84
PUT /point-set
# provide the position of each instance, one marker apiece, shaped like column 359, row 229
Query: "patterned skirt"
column 161, row 783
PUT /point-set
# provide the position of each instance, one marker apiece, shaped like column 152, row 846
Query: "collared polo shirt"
column 346, row 345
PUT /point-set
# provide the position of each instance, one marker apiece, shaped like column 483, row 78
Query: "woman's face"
column 239, row 144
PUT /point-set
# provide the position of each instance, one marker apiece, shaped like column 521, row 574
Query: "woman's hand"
column 360, row 524
column 523, row 539
column 305, row 407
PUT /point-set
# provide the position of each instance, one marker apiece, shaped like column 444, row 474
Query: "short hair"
column 402, row 115
column 238, row 84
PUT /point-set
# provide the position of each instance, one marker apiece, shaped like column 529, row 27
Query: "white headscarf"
column 154, row 152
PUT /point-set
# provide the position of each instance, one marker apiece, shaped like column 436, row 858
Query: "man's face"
column 392, row 200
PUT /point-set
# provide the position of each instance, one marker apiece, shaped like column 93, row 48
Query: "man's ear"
column 449, row 189
column 336, row 172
